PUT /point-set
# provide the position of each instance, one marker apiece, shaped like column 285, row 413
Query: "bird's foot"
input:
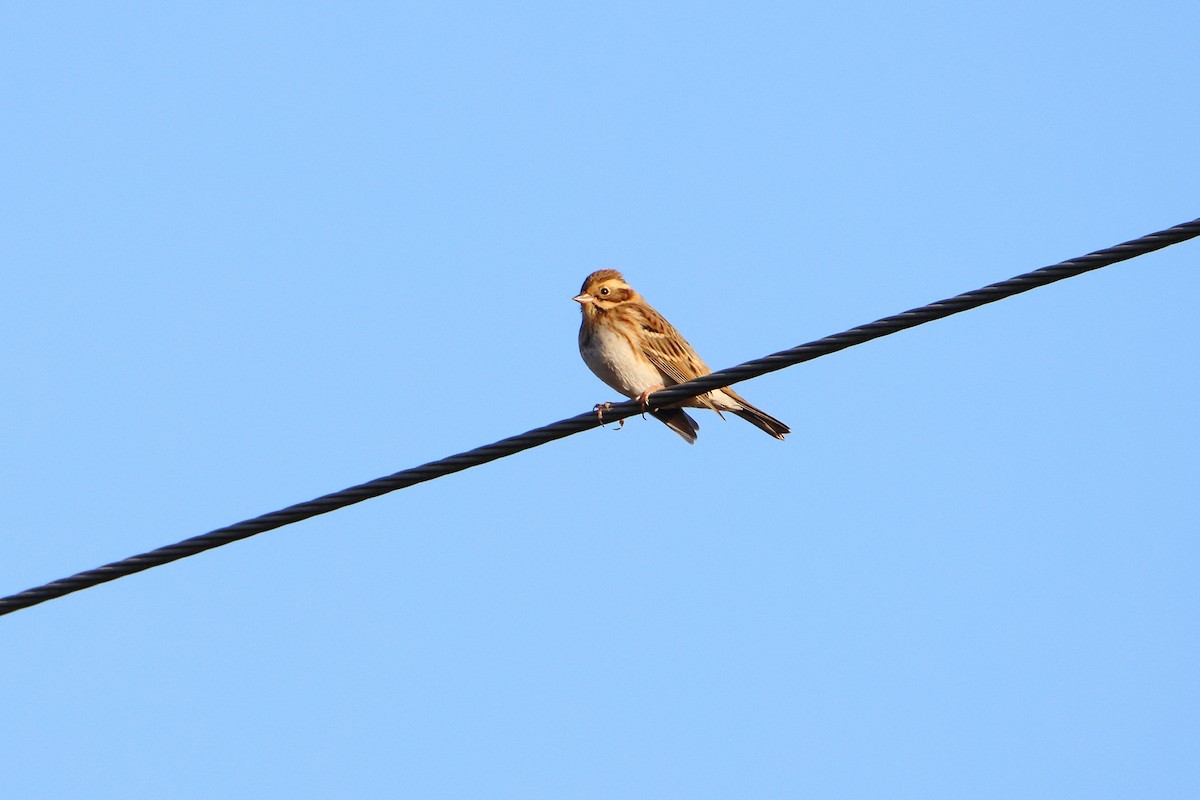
column 600, row 408
column 644, row 397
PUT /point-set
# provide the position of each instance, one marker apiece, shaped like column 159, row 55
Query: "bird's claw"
column 600, row 408
column 644, row 398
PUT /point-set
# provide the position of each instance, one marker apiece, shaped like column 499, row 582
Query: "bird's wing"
column 666, row 348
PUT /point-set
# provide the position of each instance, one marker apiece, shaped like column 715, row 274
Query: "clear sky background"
column 254, row 253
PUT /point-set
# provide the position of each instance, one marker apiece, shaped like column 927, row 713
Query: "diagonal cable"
column 589, row 420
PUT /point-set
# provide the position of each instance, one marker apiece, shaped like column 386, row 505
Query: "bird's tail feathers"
column 679, row 421
column 762, row 420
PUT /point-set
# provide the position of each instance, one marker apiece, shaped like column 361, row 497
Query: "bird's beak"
column 583, row 299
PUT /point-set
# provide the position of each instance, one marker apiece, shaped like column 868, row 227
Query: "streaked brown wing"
column 666, row 348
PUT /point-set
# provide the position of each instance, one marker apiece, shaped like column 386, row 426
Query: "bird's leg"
column 600, row 408
column 644, row 397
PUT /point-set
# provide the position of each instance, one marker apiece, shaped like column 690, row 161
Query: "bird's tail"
column 678, row 420
column 761, row 419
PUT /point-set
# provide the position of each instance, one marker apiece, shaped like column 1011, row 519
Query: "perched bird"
column 633, row 349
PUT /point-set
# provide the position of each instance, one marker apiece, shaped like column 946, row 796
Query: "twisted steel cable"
column 589, row 420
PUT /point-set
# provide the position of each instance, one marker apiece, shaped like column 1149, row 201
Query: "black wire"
column 586, row 421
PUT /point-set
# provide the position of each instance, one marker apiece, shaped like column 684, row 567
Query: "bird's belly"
column 612, row 358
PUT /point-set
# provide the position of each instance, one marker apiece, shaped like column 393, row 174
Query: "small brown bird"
column 633, row 349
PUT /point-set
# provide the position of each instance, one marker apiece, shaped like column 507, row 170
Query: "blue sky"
column 254, row 254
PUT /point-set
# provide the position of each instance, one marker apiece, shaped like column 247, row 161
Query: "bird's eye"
column 604, row 291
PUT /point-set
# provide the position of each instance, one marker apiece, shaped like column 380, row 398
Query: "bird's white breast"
column 613, row 359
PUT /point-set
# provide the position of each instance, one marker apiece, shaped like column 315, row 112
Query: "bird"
column 632, row 348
